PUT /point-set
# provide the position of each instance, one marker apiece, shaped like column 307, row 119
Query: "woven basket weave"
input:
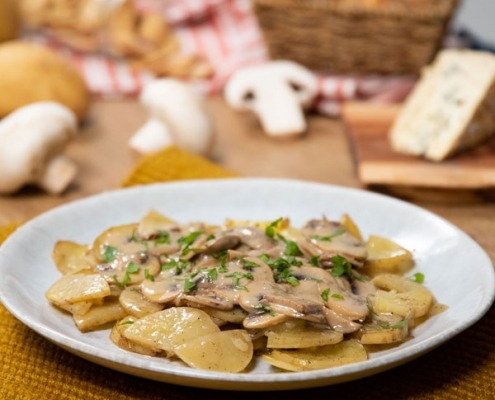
column 398, row 36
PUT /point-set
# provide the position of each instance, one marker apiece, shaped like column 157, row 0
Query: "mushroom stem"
column 152, row 136
column 58, row 174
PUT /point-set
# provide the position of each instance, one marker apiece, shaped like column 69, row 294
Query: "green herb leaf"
column 270, row 229
column 189, row 285
column 418, row 277
column 329, row 238
column 109, row 253
column 148, row 276
column 132, row 268
column 213, row 273
column 341, row 267
column 324, row 294
column 315, row 261
column 337, row 296
column 265, row 309
column 186, row 241
column 163, row 237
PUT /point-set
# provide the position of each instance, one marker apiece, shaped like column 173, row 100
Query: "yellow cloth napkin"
column 33, row 368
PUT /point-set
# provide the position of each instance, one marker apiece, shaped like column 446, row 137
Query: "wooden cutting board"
column 377, row 164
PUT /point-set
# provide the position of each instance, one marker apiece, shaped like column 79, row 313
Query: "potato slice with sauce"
column 134, row 303
column 294, row 334
column 333, row 355
column 78, row 287
column 99, row 316
column 164, row 330
column 117, row 337
column 71, row 257
column 401, row 296
column 225, row 351
column 384, row 255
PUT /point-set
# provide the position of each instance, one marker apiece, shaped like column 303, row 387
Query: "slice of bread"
column 451, row 109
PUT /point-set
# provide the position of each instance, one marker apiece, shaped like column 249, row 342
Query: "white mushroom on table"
column 32, row 141
column 278, row 92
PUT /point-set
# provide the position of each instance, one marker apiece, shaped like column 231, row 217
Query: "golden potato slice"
column 351, row 227
column 294, row 334
column 385, row 329
column 384, row 255
column 71, row 257
column 117, row 338
column 226, row 351
column 99, row 316
column 152, row 223
column 117, row 240
column 411, row 297
column 134, row 303
column 234, row 316
column 78, row 287
column 333, row 355
column 169, row 328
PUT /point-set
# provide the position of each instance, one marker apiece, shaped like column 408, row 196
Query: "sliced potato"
column 169, row 328
column 134, row 303
column 406, row 297
column 294, row 334
column 351, row 227
column 78, row 287
column 124, row 343
column 333, row 355
column 226, row 351
column 71, row 257
column 117, row 240
column 384, row 255
column 152, row 223
column 99, row 316
column 385, row 329
column 234, row 316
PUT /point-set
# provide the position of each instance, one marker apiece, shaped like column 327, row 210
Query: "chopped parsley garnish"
column 418, row 277
column 132, row 268
column 213, row 273
column 148, row 276
column 265, row 309
column 270, row 229
column 324, row 294
column 249, row 265
column 315, row 261
column 121, row 284
column 109, row 253
column 341, row 267
column 189, row 285
column 337, row 296
column 329, row 238
column 291, row 247
column 128, row 322
column 186, row 241
column 163, row 237
column 399, row 325
column 236, row 279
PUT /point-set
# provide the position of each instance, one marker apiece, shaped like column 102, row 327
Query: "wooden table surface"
column 324, row 155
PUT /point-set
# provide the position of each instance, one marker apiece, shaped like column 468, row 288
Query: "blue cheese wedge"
column 451, row 109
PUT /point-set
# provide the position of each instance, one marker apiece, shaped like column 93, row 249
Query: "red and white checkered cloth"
column 227, row 34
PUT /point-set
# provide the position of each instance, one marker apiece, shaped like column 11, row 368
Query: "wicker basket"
column 397, row 36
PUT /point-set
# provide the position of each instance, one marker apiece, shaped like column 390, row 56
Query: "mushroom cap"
column 246, row 84
column 29, row 138
column 182, row 109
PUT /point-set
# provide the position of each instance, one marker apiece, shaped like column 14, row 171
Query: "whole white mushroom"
column 278, row 92
column 177, row 115
column 32, row 140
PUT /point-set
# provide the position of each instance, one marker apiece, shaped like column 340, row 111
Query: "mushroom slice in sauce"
column 253, row 237
column 324, row 237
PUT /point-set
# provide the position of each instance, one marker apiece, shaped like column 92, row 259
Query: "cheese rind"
column 451, row 109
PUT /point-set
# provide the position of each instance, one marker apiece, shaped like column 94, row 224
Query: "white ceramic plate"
column 457, row 270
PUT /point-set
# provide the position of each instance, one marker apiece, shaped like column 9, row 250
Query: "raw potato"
column 334, row 355
column 294, row 334
column 170, row 328
column 99, row 316
column 384, row 255
column 225, row 351
column 71, row 257
column 78, row 287
column 31, row 73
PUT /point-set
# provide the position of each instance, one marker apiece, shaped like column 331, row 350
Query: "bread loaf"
column 451, row 109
